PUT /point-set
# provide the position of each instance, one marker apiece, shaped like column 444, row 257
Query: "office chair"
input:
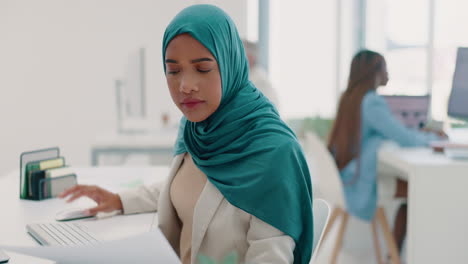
column 327, row 177
column 321, row 211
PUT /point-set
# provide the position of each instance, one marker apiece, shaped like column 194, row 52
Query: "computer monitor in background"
column 412, row 111
column 458, row 101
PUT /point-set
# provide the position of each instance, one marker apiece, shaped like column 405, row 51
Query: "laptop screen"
column 412, row 111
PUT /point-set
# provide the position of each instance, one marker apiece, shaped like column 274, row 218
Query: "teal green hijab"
column 244, row 148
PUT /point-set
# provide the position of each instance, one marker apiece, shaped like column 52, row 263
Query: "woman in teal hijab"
column 233, row 135
column 244, row 148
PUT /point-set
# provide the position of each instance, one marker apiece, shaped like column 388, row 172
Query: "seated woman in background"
column 239, row 180
column 362, row 123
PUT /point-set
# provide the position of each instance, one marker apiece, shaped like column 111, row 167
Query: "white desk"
column 437, row 204
column 17, row 213
column 159, row 144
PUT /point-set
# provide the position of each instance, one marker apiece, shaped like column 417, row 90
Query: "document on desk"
column 151, row 247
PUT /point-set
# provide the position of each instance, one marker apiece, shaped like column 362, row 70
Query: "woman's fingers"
column 89, row 191
column 70, row 190
column 106, row 201
column 442, row 134
column 99, row 208
column 77, row 195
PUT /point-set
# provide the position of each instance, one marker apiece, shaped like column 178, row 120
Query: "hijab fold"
column 246, row 151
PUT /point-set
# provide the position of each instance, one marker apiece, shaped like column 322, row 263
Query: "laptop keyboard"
column 65, row 234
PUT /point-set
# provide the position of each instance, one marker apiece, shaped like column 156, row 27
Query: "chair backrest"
column 323, row 171
column 321, row 211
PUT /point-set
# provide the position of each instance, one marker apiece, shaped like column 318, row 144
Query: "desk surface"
column 437, row 203
column 418, row 157
column 17, row 213
column 410, row 158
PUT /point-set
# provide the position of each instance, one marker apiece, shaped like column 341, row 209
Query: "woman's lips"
column 191, row 103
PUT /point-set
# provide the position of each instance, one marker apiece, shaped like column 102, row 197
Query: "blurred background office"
column 87, row 75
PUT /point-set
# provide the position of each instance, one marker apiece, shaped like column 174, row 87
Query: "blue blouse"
column 377, row 124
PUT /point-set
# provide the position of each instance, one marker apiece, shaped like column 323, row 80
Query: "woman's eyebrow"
column 201, row 59
column 192, row 61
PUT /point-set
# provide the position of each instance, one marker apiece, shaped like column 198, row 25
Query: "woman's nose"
column 188, row 85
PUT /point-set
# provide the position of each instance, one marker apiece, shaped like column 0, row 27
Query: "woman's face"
column 193, row 78
column 383, row 76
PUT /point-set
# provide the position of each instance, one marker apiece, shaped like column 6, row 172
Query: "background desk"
column 158, row 146
column 437, row 204
column 17, row 213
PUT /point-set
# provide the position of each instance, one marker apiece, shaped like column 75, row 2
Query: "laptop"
column 148, row 247
column 144, row 248
column 412, row 111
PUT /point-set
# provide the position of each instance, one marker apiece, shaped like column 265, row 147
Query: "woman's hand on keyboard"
column 106, row 201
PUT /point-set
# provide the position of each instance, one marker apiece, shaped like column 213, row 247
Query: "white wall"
column 303, row 56
column 58, row 63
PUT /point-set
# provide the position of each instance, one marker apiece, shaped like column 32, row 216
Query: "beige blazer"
column 218, row 227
